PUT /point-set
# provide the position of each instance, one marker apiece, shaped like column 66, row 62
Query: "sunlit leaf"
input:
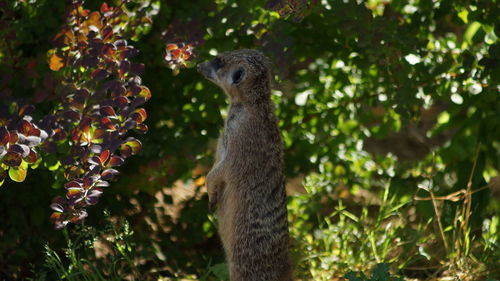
column 130, row 147
column 145, row 93
column 18, row 174
column 74, row 192
column 55, row 216
column 3, row 175
column 139, row 115
column 104, row 156
column 94, row 19
column 106, row 124
column 56, row 62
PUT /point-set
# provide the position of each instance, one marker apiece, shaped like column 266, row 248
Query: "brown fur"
column 246, row 183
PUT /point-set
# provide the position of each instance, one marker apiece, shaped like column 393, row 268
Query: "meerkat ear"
column 238, row 75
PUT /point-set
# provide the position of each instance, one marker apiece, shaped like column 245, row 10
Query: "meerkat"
column 246, row 184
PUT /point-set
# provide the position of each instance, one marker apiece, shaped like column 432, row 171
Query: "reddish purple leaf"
column 84, row 125
column 95, row 160
column 73, row 184
column 34, row 132
column 99, row 74
column 107, row 125
column 124, row 68
column 98, row 134
column 118, row 91
column 130, row 147
column 108, row 49
column 87, row 183
column 139, row 115
column 125, row 151
column 31, row 158
column 74, row 193
column 142, row 128
column 13, row 137
column 108, row 174
column 4, row 136
column 115, row 161
column 104, row 156
column 102, row 183
column 93, row 195
column 21, row 149
column 121, row 101
column 72, row 115
column 129, row 124
column 145, row 93
column 107, row 111
column 24, row 127
column 128, row 52
column 107, row 33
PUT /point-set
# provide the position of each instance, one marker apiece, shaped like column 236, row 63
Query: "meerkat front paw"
column 212, row 202
column 212, row 192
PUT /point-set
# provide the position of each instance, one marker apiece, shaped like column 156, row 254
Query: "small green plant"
column 82, row 260
column 380, row 273
column 330, row 242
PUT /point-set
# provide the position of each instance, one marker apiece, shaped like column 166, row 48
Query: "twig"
column 434, row 204
column 454, row 197
column 468, row 196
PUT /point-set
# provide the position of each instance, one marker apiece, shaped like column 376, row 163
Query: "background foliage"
column 388, row 110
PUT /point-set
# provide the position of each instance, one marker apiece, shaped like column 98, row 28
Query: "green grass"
column 332, row 238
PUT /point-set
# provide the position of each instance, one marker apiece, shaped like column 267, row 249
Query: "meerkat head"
column 244, row 75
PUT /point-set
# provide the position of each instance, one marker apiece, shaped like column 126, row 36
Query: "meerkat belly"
column 226, row 216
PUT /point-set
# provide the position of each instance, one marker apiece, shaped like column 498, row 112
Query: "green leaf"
column 220, row 270
column 381, row 272
column 471, row 31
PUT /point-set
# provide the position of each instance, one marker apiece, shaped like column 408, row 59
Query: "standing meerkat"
column 246, row 183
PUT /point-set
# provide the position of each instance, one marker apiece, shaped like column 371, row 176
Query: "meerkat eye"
column 217, row 63
column 237, row 76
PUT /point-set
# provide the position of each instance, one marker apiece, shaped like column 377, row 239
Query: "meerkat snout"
column 244, row 75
